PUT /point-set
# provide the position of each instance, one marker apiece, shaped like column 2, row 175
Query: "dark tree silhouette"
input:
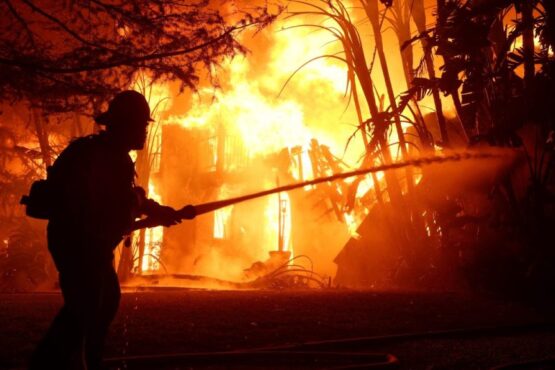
column 65, row 55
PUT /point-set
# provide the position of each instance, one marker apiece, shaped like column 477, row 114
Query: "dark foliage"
column 502, row 100
column 501, row 79
column 67, row 55
column 24, row 263
column 24, row 260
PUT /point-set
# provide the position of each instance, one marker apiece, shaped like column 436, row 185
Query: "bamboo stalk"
column 371, row 8
column 372, row 11
column 419, row 17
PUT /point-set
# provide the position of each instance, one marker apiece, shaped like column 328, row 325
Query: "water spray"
column 191, row 211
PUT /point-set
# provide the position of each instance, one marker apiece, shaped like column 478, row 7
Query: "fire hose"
column 191, row 211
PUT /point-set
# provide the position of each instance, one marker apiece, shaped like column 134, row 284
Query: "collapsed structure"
column 243, row 242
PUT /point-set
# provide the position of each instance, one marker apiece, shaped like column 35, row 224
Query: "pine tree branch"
column 129, row 61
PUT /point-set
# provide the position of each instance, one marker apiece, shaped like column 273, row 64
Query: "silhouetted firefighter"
column 91, row 201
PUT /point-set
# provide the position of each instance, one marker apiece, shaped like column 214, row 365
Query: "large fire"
column 253, row 116
column 153, row 240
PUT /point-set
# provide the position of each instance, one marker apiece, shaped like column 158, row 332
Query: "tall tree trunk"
column 77, row 128
column 419, row 17
column 394, row 189
column 528, row 46
column 42, row 136
column 367, row 159
column 402, row 28
column 143, row 179
column 142, row 167
column 356, row 61
column 549, row 6
column 371, row 8
column 401, row 24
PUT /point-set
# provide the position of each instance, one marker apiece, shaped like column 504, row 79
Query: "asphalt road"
column 185, row 321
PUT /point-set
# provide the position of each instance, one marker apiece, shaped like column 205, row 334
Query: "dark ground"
column 167, row 322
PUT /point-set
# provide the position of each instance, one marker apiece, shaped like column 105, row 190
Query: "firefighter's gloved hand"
column 188, row 212
column 166, row 216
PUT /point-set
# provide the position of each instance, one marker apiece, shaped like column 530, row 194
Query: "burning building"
column 243, row 139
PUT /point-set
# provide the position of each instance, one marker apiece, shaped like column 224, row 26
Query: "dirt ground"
column 180, row 321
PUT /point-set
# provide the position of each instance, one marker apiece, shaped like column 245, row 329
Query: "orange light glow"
column 253, row 116
column 153, row 240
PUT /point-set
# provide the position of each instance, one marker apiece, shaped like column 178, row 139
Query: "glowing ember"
column 352, row 224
